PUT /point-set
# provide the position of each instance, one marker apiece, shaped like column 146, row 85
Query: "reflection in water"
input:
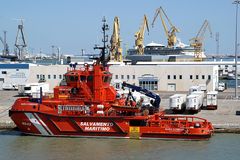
column 16, row 146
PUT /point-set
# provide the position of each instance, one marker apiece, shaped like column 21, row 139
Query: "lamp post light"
column 237, row 2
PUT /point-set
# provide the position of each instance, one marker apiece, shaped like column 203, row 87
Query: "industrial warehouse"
column 174, row 76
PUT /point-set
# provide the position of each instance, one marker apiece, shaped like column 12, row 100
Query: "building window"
column 180, row 76
column 38, row 76
column 203, row 76
column 191, row 76
column 117, row 86
column 60, row 76
column 209, row 76
column 122, row 76
column 4, row 72
column 149, row 82
column 196, row 76
column 54, row 76
column 17, row 69
column 49, row 76
column 133, row 76
column 116, row 76
column 128, row 77
column 168, row 77
column 174, row 76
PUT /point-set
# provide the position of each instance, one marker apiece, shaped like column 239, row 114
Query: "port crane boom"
column 170, row 34
column 139, row 36
column 115, row 49
column 197, row 42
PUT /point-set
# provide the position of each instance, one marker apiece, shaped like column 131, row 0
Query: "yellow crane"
column 115, row 49
column 139, row 36
column 197, row 42
column 170, row 34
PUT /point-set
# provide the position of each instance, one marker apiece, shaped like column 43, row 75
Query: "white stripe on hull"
column 45, row 126
column 36, row 123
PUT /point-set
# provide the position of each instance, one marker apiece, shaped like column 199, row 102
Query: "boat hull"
column 42, row 124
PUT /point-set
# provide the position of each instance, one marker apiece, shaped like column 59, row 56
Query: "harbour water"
column 13, row 145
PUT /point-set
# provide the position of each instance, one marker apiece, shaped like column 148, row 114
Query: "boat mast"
column 104, row 40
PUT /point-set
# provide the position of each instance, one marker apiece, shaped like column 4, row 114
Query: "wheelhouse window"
column 107, row 79
column 83, row 78
column 72, row 78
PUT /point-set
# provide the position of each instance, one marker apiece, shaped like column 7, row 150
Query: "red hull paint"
column 115, row 127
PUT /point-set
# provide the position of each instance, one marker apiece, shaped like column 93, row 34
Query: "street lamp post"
column 237, row 2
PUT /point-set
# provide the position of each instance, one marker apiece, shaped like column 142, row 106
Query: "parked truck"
column 195, row 101
column 177, row 102
column 212, row 100
column 194, row 89
column 33, row 89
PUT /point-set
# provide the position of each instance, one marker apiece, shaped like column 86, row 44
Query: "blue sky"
column 74, row 25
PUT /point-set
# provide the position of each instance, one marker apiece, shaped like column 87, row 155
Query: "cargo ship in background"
column 159, row 52
column 88, row 106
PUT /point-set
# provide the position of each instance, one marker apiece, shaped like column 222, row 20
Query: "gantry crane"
column 139, row 36
column 170, row 33
column 115, row 49
column 197, row 42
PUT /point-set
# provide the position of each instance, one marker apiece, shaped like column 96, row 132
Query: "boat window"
column 105, row 79
column 137, row 123
column 83, row 78
column 90, row 78
column 73, row 78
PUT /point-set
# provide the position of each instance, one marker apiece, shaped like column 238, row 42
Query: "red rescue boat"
column 88, row 106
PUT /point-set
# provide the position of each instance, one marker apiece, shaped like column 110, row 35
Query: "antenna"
column 104, row 40
column 217, row 43
column 20, row 41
